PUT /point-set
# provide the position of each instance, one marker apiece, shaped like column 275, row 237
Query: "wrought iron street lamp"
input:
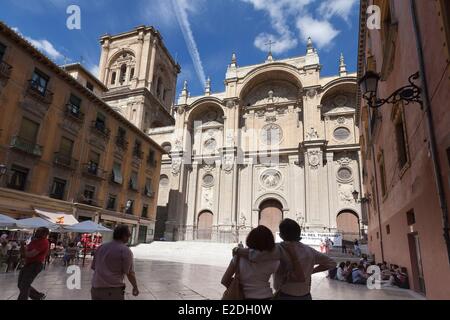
column 369, row 88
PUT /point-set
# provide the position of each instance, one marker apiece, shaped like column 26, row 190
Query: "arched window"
column 123, row 73
column 131, row 74
column 113, row 78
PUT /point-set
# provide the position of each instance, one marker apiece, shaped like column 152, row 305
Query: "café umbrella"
column 87, row 227
column 35, row 223
column 7, row 222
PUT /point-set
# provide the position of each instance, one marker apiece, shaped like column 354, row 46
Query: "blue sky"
column 201, row 34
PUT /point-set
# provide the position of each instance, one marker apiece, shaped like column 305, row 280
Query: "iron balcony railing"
column 26, row 146
column 101, row 129
column 74, row 112
column 63, row 160
column 43, row 96
column 92, row 169
column 121, row 143
column 5, row 70
column 138, row 154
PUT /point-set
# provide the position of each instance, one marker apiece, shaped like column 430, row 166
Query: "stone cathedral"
column 279, row 142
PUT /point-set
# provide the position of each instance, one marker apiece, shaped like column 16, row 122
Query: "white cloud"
column 341, row 8
column 321, row 31
column 43, row 45
column 285, row 15
column 182, row 8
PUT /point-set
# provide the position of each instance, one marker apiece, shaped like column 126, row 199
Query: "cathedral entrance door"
column 204, row 226
column 348, row 224
column 271, row 215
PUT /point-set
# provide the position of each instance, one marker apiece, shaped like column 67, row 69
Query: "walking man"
column 112, row 262
column 35, row 255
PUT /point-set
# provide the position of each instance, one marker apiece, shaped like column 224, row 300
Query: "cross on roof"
column 270, row 43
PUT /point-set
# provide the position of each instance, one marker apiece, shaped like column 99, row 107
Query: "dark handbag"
column 234, row 290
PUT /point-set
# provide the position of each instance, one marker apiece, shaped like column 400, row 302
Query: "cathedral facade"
column 279, row 142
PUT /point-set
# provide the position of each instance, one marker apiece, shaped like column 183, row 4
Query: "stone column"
column 331, row 190
column 192, row 202
column 137, row 71
column 104, row 60
column 315, row 176
column 152, row 66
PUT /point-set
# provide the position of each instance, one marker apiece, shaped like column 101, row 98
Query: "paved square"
column 183, row 271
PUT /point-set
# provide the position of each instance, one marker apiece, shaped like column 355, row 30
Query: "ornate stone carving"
column 208, row 180
column 274, row 92
column 178, row 144
column 229, row 139
column 271, row 134
column 230, row 104
column 344, row 161
column 311, row 93
column 314, row 158
column 180, row 110
column 271, row 179
column 345, row 194
column 345, row 175
column 208, row 198
column 210, row 145
column 228, row 162
column 312, row 134
column 176, row 165
column 340, row 120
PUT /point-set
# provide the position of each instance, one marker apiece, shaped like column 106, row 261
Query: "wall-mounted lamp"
column 369, row 88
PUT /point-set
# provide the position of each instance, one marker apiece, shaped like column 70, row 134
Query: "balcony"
column 92, row 170
column 100, row 129
column 73, row 112
column 44, row 97
column 88, row 201
column 138, row 154
column 5, row 71
column 148, row 193
column 27, row 147
column 121, row 143
column 65, row 161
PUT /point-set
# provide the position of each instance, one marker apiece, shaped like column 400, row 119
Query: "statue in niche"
column 312, row 134
column 345, row 193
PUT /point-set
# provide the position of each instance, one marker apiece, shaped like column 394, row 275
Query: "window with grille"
column 145, row 211
column 117, row 173
column 39, row 81
column 74, row 104
column 134, row 181
column 58, row 189
column 18, row 178
column 111, row 204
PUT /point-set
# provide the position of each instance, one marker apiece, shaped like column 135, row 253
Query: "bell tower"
column 140, row 75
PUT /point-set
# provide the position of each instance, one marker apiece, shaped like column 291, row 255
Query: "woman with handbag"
column 251, row 279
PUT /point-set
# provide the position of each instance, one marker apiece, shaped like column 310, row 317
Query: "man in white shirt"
column 112, row 262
